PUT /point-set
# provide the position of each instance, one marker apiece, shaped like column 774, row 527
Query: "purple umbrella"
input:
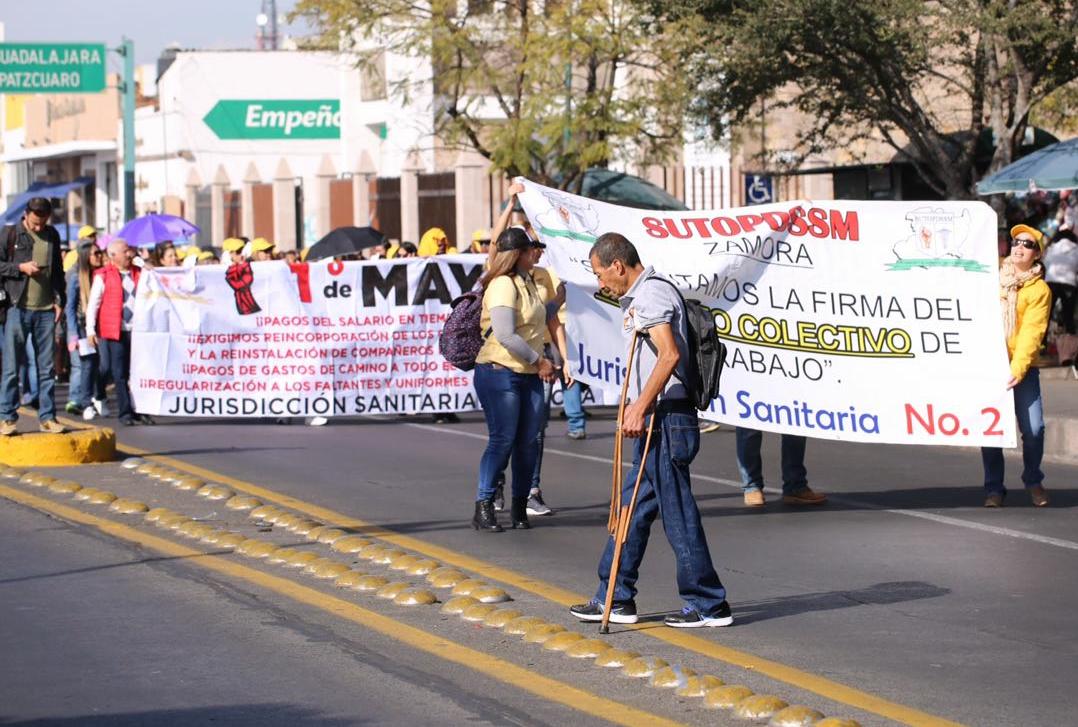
column 153, row 228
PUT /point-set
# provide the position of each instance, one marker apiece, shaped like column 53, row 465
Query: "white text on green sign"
column 275, row 119
column 52, row 67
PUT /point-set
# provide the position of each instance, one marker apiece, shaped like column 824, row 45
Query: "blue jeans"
column 540, row 438
column 74, row 380
column 574, row 406
column 116, row 363
column 28, row 374
column 91, row 384
column 666, row 490
column 751, row 466
column 40, row 326
column 513, row 406
column 1030, row 414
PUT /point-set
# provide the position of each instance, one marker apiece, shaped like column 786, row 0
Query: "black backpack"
column 707, row 354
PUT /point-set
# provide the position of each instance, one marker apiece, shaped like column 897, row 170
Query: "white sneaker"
column 89, row 413
column 317, row 422
column 101, row 408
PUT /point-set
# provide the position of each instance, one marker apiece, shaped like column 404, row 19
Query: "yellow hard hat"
column 233, row 244
column 87, row 231
column 260, row 243
column 481, row 234
column 206, row 255
column 70, row 258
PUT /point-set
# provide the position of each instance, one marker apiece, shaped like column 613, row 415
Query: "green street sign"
column 275, row 119
column 52, row 67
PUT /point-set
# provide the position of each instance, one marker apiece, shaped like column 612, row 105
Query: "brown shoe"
column 754, row 498
column 52, row 427
column 995, row 500
column 804, row 496
column 1039, row 495
column 9, row 428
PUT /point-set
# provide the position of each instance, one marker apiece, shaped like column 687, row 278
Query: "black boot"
column 519, row 513
column 484, row 518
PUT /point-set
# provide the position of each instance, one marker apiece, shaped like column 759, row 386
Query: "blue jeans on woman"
column 751, row 466
column 574, row 406
column 1030, row 413
column 514, row 409
column 91, row 383
column 666, row 490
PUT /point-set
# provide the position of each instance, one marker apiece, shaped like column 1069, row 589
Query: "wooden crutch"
column 621, row 515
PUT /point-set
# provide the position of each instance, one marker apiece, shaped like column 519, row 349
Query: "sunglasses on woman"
column 1027, row 244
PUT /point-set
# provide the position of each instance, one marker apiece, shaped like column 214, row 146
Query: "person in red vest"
column 108, row 324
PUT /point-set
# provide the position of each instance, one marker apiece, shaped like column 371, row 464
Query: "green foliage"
column 540, row 89
column 927, row 77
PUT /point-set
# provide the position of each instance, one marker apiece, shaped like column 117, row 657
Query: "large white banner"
column 862, row 321
column 324, row 339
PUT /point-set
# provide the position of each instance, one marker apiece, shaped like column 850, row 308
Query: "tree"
column 927, row 77
column 544, row 92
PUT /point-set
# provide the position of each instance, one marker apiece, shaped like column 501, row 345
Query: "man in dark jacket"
column 33, row 279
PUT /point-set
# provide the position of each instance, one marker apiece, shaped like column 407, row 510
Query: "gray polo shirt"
column 649, row 302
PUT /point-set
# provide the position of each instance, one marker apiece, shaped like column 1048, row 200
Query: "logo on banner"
column 568, row 216
column 240, row 277
column 937, row 239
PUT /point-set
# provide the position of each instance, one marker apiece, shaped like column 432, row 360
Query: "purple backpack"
column 461, row 337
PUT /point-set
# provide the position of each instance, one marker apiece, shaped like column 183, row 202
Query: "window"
column 372, row 77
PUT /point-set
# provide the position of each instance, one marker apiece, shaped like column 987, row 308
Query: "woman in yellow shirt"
column 509, row 374
column 1025, row 301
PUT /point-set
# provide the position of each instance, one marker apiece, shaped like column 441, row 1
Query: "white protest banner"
column 861, row 321
column 320, row 339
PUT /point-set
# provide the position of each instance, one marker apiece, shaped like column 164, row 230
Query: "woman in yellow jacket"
column 1026, row 302
column 435, row 242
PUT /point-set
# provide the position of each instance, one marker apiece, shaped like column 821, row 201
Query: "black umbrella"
column 345, row 241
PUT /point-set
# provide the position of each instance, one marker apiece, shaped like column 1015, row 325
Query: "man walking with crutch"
column 658, row 482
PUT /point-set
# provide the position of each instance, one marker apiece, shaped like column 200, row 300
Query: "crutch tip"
column 604, row 629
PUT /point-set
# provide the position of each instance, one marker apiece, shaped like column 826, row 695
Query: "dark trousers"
column 666, row 490
column 1067, row 295
column 116, row 364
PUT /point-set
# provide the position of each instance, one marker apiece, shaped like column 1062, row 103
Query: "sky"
column 151, row 24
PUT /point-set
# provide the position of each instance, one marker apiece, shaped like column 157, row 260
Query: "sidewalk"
column 1059, row 389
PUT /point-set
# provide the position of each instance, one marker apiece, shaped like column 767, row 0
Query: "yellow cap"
column 233, row 244
column 87, row 231
column 1038, row 236
column 206, row 255
column 481, row 234
column 70, row 258
column 260, row 243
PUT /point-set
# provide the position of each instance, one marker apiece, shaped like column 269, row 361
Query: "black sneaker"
column 621, row 613
column 690, row 618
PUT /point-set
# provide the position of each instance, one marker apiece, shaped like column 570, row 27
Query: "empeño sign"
column 52, row 67
column 275, row 119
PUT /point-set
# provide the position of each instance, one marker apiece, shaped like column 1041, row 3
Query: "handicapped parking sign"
column 759, row 189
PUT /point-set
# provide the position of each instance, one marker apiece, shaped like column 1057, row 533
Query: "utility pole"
column 127, row 50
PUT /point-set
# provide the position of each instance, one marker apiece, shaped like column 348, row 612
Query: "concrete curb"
column 59, row 450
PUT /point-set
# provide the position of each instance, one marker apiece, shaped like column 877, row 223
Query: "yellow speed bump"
column 671, row 677
column 248, row 546
column 587, row 649
column 64, row 487
column 188, row 484
column 404, row 562
column 421, row 567
column 616, row 658
column 795, row 716
column 476, row 612
column 540, row 633
column 128, row 507
column 386, row 556
column 490, row 594
column 350, row 544
column 446, row 578
column 194, row 529
column 520, row 625
column 303, row 527
column 10, row 473
column 242, row 502
column 321, row 560
column 759, row 707
column 33, row 479
column 230, row 540
column 562, row 641
column 263, row 512
column 368, row 583
column 456, row 605
column 726, row 696
column 157, row 513
column 54, row 450
column 331, row 570
column 144, row 467
column 327, row 535
column 281, row 555
column 465, row 587
column 301, row 559
column 499, row 617
column 215, row 492
column 175, row 523
column 392, row 590
column 837, row 722
column 349, row 579
column 212, row 536
column 132, row 462
column 85, row 492
column 101, row 497
column 284, row 519
column 697, row 686
column 165, row 521
column 643, row 666
column 415, row 597
column 370, row 551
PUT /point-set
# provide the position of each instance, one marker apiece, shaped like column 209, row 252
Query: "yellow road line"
column 808, row 681
column 498, row 669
